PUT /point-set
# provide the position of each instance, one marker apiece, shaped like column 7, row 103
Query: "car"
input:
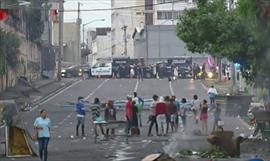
column 73, row 71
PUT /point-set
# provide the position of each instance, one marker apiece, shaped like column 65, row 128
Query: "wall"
column 176, row 6
column 29, row 61
column 162, row 43
column 131, row 18
column 71, row 43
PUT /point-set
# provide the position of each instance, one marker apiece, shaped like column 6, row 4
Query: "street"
column 63, row 147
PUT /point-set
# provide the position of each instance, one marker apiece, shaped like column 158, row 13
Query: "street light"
column 88, row 24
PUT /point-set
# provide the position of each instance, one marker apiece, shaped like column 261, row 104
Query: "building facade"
column 71, row 41
column 158, row 42
column 99, row 42
column 167, row 13
column 123, row 23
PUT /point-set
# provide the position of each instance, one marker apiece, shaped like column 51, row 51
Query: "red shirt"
column 129, row 110
column 160, row 108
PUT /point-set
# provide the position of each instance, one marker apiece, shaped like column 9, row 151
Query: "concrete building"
column 100, row 44
column 71, row 41
column 159, row 42
column 167, row 13
column 123, row 23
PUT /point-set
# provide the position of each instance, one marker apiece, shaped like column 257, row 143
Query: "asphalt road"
column 63, row 147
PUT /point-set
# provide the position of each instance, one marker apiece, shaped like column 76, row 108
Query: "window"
column 164, row 1
column 164, row 15
column 167, row 15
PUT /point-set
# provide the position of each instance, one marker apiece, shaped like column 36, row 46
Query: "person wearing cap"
column 80, row 111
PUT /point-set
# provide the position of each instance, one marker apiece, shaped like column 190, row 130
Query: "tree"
column 9, row 50
column 34, row 22
column 240, row 35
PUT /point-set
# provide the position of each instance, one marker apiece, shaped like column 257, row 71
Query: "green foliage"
column 241, row 35
column 9, row 49
column 34, row 66
column 34, row 22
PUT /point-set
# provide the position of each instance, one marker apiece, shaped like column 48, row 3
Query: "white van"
column 102, row 69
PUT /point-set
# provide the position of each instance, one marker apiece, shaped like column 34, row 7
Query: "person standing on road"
column 217, row 118
column 140, row 72
column 204, row 117
column 173, row 111
column 129, row 113
column 42, row 126
column 139, row 104
column 183, row 113
column 110, row 115
column 153, row 117
column 161, row 115
column 80, row 110
column 168, row 114
column 176, row 118
column 196, row 104
column 96, row 114
column 212, row 93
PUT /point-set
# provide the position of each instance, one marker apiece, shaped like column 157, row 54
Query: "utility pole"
column 146, row 37
column 125, row 39
column 173, row 12
column 61, row 21
column 79, row 21
column 159, row 52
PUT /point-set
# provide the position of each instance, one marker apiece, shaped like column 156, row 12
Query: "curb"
column 46, row 84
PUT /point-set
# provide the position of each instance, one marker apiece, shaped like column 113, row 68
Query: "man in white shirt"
column 212, row 92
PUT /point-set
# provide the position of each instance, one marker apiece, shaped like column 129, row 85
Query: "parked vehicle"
column 73, row 71
column 102, row 69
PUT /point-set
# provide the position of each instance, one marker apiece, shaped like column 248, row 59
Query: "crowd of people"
column 165, row 115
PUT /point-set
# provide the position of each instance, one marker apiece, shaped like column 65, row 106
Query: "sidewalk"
column 25, row 95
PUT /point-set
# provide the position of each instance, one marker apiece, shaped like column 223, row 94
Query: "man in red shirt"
column 129, row 112
column 161, row 115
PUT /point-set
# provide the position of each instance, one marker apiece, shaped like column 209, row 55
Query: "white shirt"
column 212, row 90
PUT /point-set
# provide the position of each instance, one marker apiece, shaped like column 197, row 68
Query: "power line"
column 89, row 10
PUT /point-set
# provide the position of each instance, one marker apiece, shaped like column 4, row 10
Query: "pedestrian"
column 140, row 72
column 204, row 117
column 132, row 72
column 217, row 119
column 129, row 113
column 134, row 125
column 139, row 102
column 96, row 115
column 175, row 73
column 110, row 115
column 173, row 114
column 161, row 115
column 196, row 104
column 42, row 126
column 212, row 93
column 80, row 111
column 168, row 114
column 175, row 111
column 183, row 113
column 153, row 117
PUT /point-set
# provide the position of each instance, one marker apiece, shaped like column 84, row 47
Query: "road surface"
column 63, row 147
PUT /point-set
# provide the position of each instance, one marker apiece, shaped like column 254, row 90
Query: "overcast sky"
column 89, row 16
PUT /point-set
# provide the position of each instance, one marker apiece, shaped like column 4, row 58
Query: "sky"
column 88, row 16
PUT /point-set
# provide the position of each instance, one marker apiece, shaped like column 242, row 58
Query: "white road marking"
column 171, row 88
column 60, row 92
column 136, row 86
column 95, row 90
column 65, row 119
column 204, row 86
